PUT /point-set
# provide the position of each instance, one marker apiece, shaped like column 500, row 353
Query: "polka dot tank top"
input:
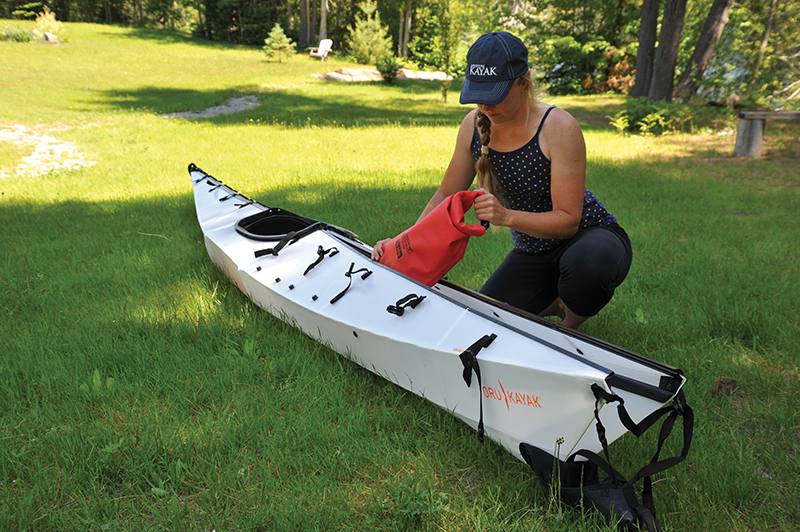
column 524, row 178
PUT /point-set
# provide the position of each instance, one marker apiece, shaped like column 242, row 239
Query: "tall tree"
column 404, row 34
column 323, row 20
column 436, row 35
column 303, row 39
column 704, row 49
column 765, row 37
column 312, row 27
column 645, row 60
column 669, row 41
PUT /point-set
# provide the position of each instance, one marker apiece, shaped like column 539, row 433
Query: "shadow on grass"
column 403, row 103
column 294, row 109
column 418, row 86
column 159, row 36
column 163, row 100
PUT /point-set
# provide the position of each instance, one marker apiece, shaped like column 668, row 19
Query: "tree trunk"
column 312, row 28
column 405, row 30
column 289, row 16
column 647, row 48
column 303, row 37
column 704, row 49
column 669, row 42
column 323, row 20
column 765, row 38
column 338, row 24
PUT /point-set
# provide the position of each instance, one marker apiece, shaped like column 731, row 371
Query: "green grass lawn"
column 140, row 390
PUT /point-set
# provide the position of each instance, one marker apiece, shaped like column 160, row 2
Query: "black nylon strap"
column 289, row 238
column 279, row 246
column 350, row 273
column 321, row 252
column 470, row 361
column 399, row 308
column 679, row 408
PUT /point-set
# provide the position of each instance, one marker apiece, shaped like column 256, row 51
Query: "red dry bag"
column 435, row 244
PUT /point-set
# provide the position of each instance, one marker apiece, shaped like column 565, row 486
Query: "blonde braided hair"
column 487, row 179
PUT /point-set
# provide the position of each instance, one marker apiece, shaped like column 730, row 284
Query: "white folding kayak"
column 524, row 381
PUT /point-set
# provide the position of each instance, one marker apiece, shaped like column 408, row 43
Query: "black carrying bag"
column 577, row 481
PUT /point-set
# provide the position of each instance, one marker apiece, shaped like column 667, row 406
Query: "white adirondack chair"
column 322, row 50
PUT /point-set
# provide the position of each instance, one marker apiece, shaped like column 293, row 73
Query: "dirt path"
column 234, row 105
column 50, row 154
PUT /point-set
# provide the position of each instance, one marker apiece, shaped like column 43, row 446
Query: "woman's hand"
column 488, row 207
column 377, row 251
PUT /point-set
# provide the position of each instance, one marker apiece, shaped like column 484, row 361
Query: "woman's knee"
column 588, row 281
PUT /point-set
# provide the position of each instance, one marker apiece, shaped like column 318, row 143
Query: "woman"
column 530, row 158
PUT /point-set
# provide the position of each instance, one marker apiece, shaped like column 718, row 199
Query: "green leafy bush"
column 46, row 23
column 18, row 35
column 658, row 118
column 572, row 68
column 437, row 44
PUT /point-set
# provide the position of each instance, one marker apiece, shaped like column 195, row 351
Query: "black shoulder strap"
column 539, row 129
column 615, row 495
column 678, row 408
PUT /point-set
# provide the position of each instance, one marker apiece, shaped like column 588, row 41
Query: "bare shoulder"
column 469, row 120
column 560, row 121
column 466, row 130
column 561, row 135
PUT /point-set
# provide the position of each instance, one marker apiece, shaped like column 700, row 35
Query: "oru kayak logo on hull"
column 511, row 397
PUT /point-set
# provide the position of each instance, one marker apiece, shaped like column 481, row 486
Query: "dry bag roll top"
column 431, row 247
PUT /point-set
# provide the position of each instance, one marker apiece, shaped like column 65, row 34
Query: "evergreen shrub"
column 389, row 66
column 369, row 42
column 277, row 44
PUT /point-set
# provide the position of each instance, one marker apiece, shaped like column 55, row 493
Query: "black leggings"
column 583, row 271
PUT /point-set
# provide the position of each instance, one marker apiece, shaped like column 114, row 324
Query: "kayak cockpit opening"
column 272, row 225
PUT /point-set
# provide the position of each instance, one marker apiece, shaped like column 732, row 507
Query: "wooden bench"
column 750, row 133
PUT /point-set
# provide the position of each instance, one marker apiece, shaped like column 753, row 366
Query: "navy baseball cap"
column 494, row 61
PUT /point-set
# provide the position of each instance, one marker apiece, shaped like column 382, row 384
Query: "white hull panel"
column 536, row 379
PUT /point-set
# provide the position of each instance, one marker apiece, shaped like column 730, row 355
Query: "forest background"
column 744, row 53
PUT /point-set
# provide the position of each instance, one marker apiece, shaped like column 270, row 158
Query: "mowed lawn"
column 141, row 390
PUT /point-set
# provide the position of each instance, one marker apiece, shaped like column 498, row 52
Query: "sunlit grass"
column 139, row 389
